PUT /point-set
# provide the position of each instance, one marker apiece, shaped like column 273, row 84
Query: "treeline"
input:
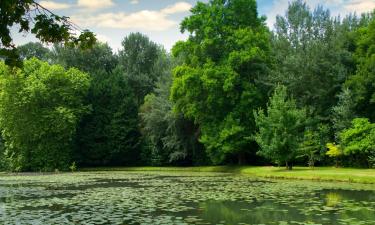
column 233, row 92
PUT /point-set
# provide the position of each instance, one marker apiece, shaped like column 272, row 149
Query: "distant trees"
column 232, row 92
column 40, row 107
column 216, row 86
column 142, row 62
column 362, row 84
column 281, row 128
column 312, row 58
column 34, row 49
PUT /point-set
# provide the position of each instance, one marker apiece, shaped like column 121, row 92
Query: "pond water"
column 180, row 198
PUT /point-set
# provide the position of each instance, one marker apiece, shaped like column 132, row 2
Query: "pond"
column 180, row 198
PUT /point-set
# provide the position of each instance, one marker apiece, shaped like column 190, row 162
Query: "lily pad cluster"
column 180, row 198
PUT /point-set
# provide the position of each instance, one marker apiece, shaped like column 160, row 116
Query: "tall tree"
column 312, row 57
column 280, row 128
column 109, row 134
column 362, row 84
column 142, row 62
column 226, row 52
column 172, row 139
column 343, row 113
column 40, row 107
column 47, row 27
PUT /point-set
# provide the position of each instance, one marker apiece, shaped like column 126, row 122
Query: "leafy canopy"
column 226, row 52
column 280, row 128
column 40, row 107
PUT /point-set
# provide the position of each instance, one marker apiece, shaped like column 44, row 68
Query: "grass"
column 302, row 173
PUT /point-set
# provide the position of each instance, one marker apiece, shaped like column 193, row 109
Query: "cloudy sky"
column 112, row 20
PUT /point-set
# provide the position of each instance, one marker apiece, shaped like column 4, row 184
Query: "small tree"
column 310, row 147
column 334, row 151
column 343, row 112
column 281, row 129
column 359, row 139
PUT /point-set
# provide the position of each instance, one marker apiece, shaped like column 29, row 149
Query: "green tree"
column 312, row 57
column 342, row 113
column 359, row 140
column 334, row 151
column 226, row 52
column 33, row 17
column 34, row 49
column 171, row 138
column 108, row 135
column 96, row 60
column 362, row 84
column 310, row 147
column 142, row 62
column 280, row 129
column 40, row 107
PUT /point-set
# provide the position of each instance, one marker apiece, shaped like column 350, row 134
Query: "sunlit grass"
column 304, row 173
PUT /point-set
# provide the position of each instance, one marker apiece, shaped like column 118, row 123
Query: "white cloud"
column 360, row 6
column 51, row 5
column 177, row 8
column 95, row 4
column 134, row 2
column 148, row 20
column 102, row 38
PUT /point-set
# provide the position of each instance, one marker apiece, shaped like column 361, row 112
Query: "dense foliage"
column 234, row 91
column 227, row 51
column 280, row 128
column 40, row 107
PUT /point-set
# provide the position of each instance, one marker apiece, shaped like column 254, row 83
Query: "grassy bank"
column 303, row 173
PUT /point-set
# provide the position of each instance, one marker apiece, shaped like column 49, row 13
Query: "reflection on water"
column 333, row 199
column 125, row 198
column 329, row 210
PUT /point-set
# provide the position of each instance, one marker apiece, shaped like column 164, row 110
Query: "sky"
column 112, row 20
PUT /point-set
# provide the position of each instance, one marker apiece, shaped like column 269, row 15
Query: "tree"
column 342, row 113
column 310, row 147
column 47, row 27
column 362, row 84
column 334, row 151
column 142, row 62
column 108, row 135
column 280, row 129
column 216, row 87
column 359, row 140
column 96, row 60
column 312, row 58
column 34, row 49
column 40, row 107
column 171, row 138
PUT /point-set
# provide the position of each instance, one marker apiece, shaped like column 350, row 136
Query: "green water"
column 180, row 198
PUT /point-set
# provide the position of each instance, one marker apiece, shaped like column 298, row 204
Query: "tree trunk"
column 288, row 166
column 241, row 158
